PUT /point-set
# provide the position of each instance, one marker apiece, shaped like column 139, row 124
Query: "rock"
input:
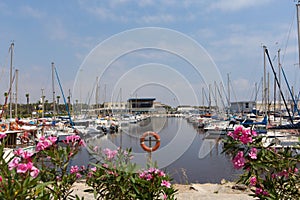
column 239, row 187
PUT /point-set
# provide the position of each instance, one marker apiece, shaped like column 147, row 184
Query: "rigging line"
column 225, row 93
column 89, row 97
column 279, row 86
column 233, row 91
column 62, row 92
column 288, row 38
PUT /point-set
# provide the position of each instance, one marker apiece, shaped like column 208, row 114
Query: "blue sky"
column 65, row 32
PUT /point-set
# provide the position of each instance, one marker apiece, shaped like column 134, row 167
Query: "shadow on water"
column 202, row 162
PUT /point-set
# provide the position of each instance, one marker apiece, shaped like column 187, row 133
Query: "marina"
column 200, row 161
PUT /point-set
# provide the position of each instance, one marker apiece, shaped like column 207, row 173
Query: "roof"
column 141, row 99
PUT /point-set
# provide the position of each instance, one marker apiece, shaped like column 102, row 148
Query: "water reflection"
column 196, row 160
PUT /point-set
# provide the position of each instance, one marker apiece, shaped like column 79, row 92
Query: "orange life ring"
column 14, row 126
column 3, row 127
column 149, row 134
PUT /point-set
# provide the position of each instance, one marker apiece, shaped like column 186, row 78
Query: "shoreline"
column 205, row 191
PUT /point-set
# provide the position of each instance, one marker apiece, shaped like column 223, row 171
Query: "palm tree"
column 27, row 99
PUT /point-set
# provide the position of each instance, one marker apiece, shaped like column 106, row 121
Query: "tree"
column 27, row 100
column 57, row 97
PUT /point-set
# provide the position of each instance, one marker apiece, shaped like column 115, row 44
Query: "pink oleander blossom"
column 72, row 138
column 93, row 169
column 27, row 155
column 242, row 134
column 34, row 172
column 253, row 153
column 14, row 163
column 165, row 196
column 2, row 135
column 166, row 183
column 260, row 191
column 78, row 175
column 284, row 173
column 22, row 168
column 18, row 152
column 1, row 178
column 230, row 134
column 74, row 169
column 52, row 139
column 253, row 181
column 239, row 160
column 110, row 154
column 43, row 144
column 96, row 148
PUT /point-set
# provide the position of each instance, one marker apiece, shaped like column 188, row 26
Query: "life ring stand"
column 149, row 134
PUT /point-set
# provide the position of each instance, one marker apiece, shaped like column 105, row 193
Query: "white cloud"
column 56, row 29
column 235, row 5
column 29, row 11
column 160, row 18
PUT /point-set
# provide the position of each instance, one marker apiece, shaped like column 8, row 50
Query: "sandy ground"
column 208, row 191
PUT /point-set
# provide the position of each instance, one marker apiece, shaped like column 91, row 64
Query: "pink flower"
column 26, row 155
column 245, row 139
column 254, row 133
column 105, row 165
column 161, row 173
column 230, row 134
column 296, row 170
column 165, row 196
column 95, row 148
column 74, row 169
column 1, row 179
column 93, row 169
column 43, row 144
column 82, row 143
column 142, row 175
column 72, row 138
column 34, row 172
column 284, row 173
column 239, row 160
column 253, row 153
column 258, row 191
column 149, row 177
column 18, row 152
column 78, row 175
column 253, row 181
column 14, row 163
column 2, row 135
column 22, row 168
column 52, row 139
column 109, row 153
column 166, row 183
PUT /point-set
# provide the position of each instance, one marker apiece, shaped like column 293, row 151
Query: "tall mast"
column 97, row 96
column 16, row 97
column 298, row 26
column 53, row 89
column 265, row 82
column 228, row 85
column 279, row 79
column 11, row 79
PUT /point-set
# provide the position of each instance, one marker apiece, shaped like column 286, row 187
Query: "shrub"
column 271, row 172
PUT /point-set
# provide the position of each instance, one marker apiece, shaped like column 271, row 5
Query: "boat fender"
column 150, row 134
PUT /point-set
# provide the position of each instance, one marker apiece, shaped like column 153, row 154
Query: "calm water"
column 183, row 153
